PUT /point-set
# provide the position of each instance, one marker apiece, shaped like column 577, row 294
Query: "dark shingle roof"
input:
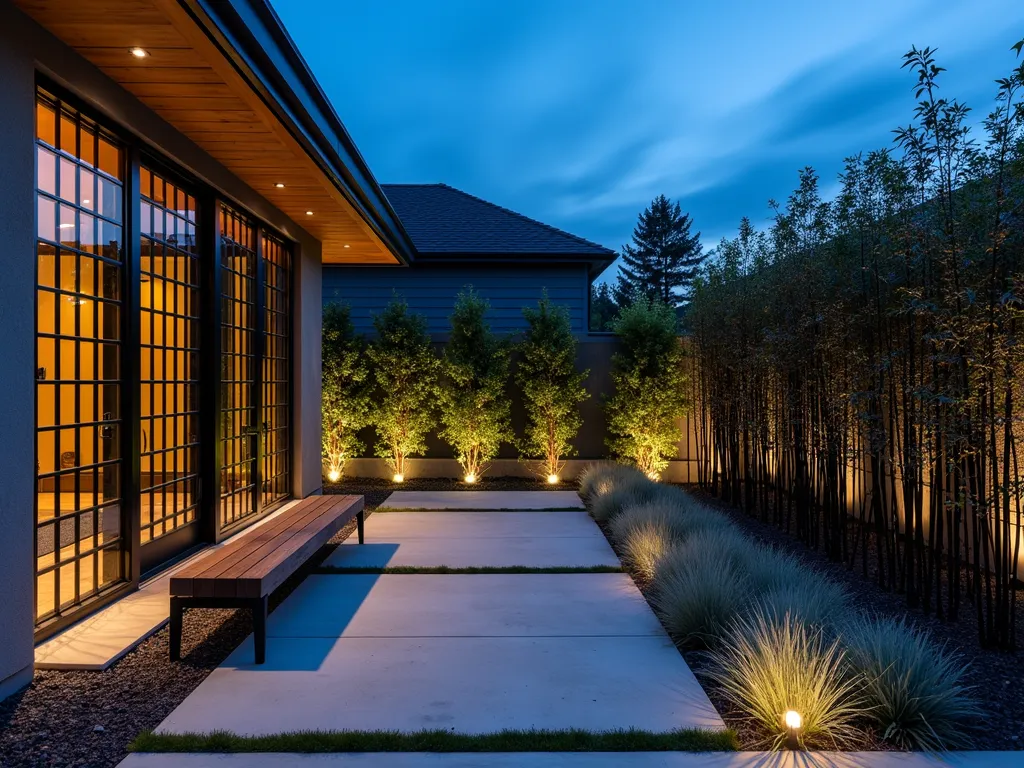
column 443, row 220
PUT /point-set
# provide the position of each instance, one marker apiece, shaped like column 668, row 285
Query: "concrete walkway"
column 586, row 760
column 474, row 653
column 496, row 500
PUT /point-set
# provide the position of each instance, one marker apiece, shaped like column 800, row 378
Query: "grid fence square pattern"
column 276, row 400
column 79, row 275
column 169, row 397
column 238, row 367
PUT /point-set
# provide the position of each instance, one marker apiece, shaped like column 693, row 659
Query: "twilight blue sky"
column 578, row 112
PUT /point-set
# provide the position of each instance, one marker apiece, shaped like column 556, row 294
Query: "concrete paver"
column 483, row 500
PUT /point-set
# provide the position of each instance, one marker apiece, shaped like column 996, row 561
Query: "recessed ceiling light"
column 139, row 53
column 346, row 245
column 67, row 226
column 309, row 213
column 86, row 202
column 280, row 185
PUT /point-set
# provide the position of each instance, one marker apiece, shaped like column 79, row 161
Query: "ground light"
column 334, row 475
column 470, row 478
column 398, row 478
column 552, row 479
column 793, row 723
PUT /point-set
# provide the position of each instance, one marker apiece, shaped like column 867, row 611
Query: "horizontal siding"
column 431, row 292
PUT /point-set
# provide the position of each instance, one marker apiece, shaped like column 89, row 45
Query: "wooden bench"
column 242, row 574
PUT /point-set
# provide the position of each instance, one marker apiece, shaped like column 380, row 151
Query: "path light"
column 793, row 723
column 470, row 478
column 334, row 475
column 398, row 478
column 552, row 479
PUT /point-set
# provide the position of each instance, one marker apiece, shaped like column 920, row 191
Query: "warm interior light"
column 139, row 53
column 793, row 720
column 552, row 479
column 334, row 475
column 399, row 478
column 470, row 478
column 309, row 213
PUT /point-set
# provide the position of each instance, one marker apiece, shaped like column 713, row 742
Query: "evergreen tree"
column 603, row 308
column 663, row 259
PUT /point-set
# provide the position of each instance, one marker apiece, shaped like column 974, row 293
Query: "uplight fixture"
column 470, row 478
column 793, row 723
column 552, row 479
column 138, row 53
column 398, row 478
column 334, row 475
column 652, row 475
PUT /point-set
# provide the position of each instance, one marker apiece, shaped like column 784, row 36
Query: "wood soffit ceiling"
column 187, row 81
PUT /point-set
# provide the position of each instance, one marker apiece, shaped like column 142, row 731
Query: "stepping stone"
column 508, row 500
column 477, row 539
column 486, row 605
column 470, row 684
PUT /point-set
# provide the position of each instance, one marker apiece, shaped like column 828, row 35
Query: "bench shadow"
column 307, row 623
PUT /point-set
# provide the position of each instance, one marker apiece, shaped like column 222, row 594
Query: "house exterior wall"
column 431, row 289
column 25, row 50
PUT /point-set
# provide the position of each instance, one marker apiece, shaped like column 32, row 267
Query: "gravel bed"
column 88, row 718
column 998, row 676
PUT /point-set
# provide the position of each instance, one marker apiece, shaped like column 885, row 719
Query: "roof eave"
column 251, row 36
column 596, row 262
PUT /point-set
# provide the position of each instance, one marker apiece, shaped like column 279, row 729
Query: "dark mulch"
column 89, row 718
column 376, row 490
column 998, row 676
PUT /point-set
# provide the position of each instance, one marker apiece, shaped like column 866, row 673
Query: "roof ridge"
column 510, row 212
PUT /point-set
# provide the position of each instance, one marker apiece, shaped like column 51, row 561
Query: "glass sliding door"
column 79, row 545
column 239, row 424
column 277, row 361
column 169, row 275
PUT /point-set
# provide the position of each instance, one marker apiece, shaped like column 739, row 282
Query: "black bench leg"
column 360, row 519
column 176, row 614
column 259, row 629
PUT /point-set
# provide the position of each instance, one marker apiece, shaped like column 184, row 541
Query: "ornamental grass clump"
column 598, row 479
column 718, row 538
column 699, row 597
column 766, row 667
column 645, row 533
column 771, row 568
column 812, row 599
column 915, row 688
column 627, row 492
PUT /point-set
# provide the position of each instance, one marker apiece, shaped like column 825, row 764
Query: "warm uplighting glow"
column 280, row 185
column 398, row 478
column 793, row 720
column 552, row 479
column 470, row 478
column 334, row 475
column 653, row 476
column 309, row 213
column 139, row 53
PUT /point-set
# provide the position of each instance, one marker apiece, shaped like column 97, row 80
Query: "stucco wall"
column 17, row 343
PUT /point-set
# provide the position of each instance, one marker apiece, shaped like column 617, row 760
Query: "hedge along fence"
column 593, row 354
column 778, row 637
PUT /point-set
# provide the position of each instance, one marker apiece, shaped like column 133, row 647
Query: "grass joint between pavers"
column 570, row 740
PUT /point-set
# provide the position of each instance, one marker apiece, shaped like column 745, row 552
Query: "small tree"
column 649, row 380
column 552, row 387
column 474, row 406
column 664, row 257
column 405, row 369
column 345, row 397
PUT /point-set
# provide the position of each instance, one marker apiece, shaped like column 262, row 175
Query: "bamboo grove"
column 857, row 364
